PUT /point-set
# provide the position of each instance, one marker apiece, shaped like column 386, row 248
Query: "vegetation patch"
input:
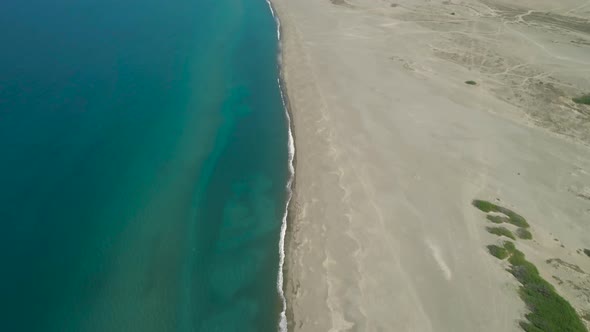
column 516, row 219
column 548, row 310
column 497, row 219
column 582, row 100
column 469, row 82
column 484, row 206
column 497, row 251
column 509, row 245
column 501, row 231
column 513, row 217
column 524, row 233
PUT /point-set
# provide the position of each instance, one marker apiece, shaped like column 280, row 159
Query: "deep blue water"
column 143, row 163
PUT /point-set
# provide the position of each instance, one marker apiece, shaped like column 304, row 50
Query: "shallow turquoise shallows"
column 143, row 165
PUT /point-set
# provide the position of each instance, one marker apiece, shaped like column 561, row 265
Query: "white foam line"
column 291, row 145
column 272, row 11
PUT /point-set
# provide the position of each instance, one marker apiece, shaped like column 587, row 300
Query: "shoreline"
column 290, row 186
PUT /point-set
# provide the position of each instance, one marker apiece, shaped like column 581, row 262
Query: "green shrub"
column 509, row 245
column 582, row 100
column 484, row 206
column 471, row 82
column 514, row 218
column 497, row 219
column 548, row 310
column 498, row 252
column 501, row 231
column 524, row 233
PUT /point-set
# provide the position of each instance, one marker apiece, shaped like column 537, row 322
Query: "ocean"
column 144, row 166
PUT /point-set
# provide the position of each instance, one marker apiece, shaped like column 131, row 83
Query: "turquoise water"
column 143, row 164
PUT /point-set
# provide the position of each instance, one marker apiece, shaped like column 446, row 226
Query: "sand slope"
column 392, row 146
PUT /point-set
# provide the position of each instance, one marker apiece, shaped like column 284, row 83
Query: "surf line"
column 291, row 146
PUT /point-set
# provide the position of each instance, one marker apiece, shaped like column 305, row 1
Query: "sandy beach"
column 392, row 146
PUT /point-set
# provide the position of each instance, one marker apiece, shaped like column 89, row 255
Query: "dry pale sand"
column 392, row 146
